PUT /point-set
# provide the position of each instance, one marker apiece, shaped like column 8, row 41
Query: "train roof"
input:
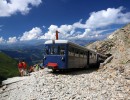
column 65, row 42
column 57, row 41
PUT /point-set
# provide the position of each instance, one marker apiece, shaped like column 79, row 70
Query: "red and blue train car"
column 63, row 54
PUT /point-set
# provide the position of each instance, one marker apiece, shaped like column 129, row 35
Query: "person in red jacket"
column 24, row 67
column 20, row 67
column 24, row 64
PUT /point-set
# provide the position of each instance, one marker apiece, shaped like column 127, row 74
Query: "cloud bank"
column 97, row 26
column 107, row 17
column 11, row 7
column 90, row 29
column 35, row 33
column 12, row 40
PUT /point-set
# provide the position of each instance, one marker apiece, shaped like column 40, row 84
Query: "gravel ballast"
column 88, row 84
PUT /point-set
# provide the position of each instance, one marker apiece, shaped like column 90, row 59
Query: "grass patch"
column 8, row 67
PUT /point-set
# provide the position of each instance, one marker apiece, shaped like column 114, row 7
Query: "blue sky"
column 25, row 20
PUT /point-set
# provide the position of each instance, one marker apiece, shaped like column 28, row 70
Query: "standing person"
column 24, row 67
column 37, row 67
column 20, row 67
column 41, row 66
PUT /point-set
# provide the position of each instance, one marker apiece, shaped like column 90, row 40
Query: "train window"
column 77, row 53
column 46, row 50
column 85, row 55
column 81, row 54
column 71, row 51
column 53, row 50
column 90, row 55
column 94, row 56
column 61, row 50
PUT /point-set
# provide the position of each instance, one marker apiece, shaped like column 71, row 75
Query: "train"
column 64, row 54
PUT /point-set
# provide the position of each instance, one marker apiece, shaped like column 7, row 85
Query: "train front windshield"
column 55, row 49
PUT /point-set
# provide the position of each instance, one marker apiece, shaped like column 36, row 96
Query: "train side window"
column 94, row 56
column 90, row 55
column 77, row 53
column 81, row 54
column 71, row 51
column 85, row 55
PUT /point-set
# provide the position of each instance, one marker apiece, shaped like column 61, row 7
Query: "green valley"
column 8, row 67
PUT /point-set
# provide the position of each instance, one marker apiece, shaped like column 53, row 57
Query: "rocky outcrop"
column 117, row 41
column 117, row 44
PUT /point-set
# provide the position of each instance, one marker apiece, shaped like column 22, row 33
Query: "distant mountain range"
column 22, row 45
column 31, row 51
column 37, row 43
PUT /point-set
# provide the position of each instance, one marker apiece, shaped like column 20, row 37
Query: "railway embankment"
column 110, row 82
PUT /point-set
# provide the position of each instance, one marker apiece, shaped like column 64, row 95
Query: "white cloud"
column 94, row 26
column 79, row 24
column 107, row 17
column 35, row 33
column 89, row 34
column 14, row 6
column 64, row 32
column 2, row 40
column 51, row 33
column 12, row 40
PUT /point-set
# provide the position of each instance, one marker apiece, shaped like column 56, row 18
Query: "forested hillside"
column 8, row 67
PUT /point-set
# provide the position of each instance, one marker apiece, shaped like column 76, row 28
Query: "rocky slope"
column 118, row 45
column 110, row 82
